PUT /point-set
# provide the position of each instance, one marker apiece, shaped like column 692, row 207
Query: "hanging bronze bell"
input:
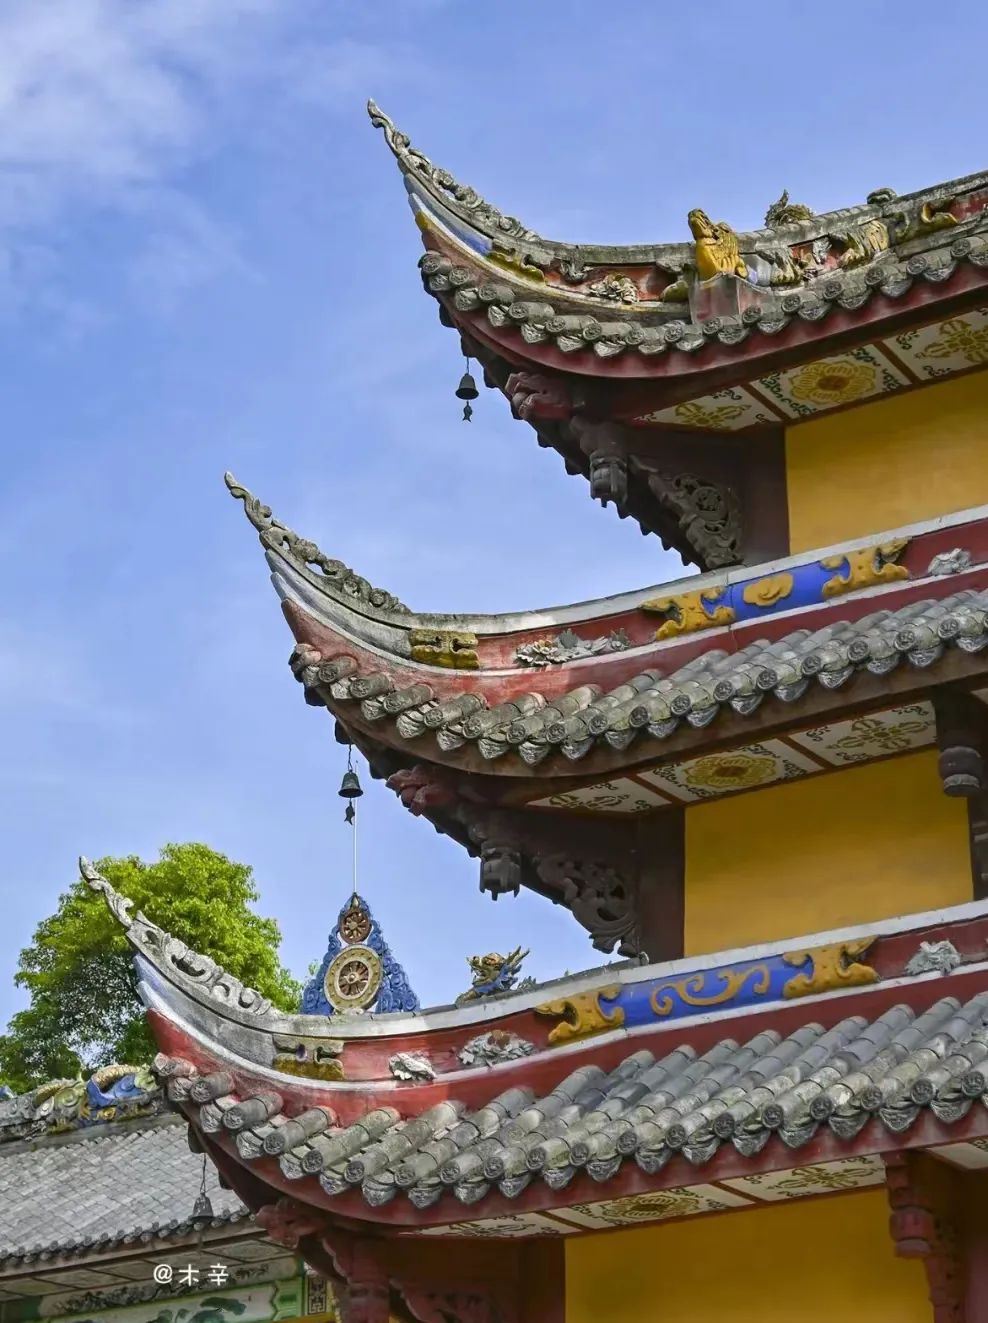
column 467, row 389
column 350, row 787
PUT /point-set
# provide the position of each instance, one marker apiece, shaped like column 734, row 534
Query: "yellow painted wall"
column 893, row 462
column 846, row 847
column 811, row 1262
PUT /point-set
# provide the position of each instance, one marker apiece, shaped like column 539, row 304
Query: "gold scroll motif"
column 582, row 1015
column 863, row 242
column 766, row 592
column 690, row 990
column 717, row 251
column 686, row 612
column 444, row 647
column 309, row 1058
column 834, row 968
column 934, row 215
column 866, row 568
column 517, row 265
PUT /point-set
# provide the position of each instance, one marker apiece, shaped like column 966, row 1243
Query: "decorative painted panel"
column 717, row 774
column 972, row 1154
column 951, row 346
column 781, row 976
column 85, row 1291
column 858, row 374
column 723, row 411
column 622, row 795
column 801, row 753
column 821, row 1178
column 260, row 1304
column 656, row 1206
column 809, row 584
column 874, row 736
column 526, row 1224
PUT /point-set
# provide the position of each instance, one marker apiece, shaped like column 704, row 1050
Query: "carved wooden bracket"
column 378, row 1285
column 537, row 395
column 592, row 874
column 924, row 1225
column 623, row 888
column 424, row 787
column 287, row 1221
column 361, row 1286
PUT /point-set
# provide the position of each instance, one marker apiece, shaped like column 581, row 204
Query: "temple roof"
column 637, row 363
column 517, row 1113
column 597, row 304
column 611, row 711
column 533, row 726
column 104, row 1188
column 112, row 1094
column 644, row 1111
column 606, row 688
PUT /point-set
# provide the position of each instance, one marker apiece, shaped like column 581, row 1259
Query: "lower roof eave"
column 912, row 1053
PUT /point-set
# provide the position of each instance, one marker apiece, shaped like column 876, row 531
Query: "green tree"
column 84, row 1010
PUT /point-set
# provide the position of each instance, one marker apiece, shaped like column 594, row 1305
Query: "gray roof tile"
column 656, row 704
column 64, row 1193
column 648, row 1111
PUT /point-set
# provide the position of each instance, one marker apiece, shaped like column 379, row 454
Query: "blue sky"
column 206, row 262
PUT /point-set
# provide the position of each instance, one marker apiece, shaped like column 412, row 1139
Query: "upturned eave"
column 910, row 994
column 491, row 264
column 612, row 684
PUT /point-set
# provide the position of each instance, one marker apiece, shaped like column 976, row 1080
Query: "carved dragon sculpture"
column 492, row 974
column 717, row 251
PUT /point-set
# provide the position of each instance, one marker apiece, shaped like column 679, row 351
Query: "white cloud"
column 104, row 104
column 87, row 98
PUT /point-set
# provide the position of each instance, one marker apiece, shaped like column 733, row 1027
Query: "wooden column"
column 660, row 854
column 927, row 1199
column 541, row 1278
column 962, row 738
column 977, row 827
column 976, row 1246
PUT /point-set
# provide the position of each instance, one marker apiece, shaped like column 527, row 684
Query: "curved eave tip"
column 397, row 141
column 237, row 490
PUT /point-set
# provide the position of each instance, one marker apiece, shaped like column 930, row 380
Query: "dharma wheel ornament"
column 358, row 973
column 467, row 390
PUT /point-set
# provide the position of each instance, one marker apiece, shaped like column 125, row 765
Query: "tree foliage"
column 84, row 1011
